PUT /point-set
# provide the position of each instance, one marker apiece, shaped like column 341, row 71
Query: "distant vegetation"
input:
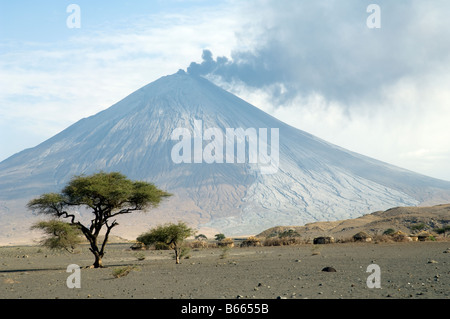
column 219, row 237
column 443, row 230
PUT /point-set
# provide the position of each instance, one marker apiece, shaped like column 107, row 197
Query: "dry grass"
column 122, row 271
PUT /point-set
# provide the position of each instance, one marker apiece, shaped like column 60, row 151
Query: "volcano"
column 157, row 133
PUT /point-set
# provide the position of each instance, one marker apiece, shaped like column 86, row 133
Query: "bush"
column 289, row 233
column 60, row 235
column 122, row 271
column 389, row 231
column 418, row 227
column 184, row 253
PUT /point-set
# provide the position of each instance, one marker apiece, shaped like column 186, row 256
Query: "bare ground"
column 408, row 270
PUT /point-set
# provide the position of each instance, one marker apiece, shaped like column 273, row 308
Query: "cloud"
column 317, row 66
column 325, row 47
column 46, row 86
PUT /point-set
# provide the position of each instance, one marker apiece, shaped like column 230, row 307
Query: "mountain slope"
column 315, row 180
column 398, row 218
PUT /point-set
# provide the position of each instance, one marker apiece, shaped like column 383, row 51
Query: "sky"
column 374, row 81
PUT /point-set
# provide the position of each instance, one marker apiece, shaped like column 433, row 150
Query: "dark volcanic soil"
column 408, row 270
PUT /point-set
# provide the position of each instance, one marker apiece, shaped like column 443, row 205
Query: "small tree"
column 60, row 235
column 105, row 195
column 443, row 230
column 219, row 237
column 418, row 227
column 170, row 234
column 201, row 237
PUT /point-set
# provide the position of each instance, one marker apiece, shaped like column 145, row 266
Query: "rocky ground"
column 407, row 270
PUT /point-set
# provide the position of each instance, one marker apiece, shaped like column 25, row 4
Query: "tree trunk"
column 97, row 253
column 98, row 263
column 177, row 256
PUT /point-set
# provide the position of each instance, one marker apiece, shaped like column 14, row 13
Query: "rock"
column 329, row 269
column 431, row 261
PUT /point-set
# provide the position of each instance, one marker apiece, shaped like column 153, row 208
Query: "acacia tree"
column 170, row 234
column 105, row 195
column 60, row 235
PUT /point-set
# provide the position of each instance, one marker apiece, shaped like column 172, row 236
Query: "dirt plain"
column 408, row 270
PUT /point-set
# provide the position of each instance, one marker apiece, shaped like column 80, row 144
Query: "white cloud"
column 408, row 129
column 47, row 86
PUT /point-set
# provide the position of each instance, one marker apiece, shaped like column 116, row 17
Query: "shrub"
column 122, row 271
column 418, row 227
column 225, row 251
column 60, row 235
column 389, row 231
column 289, row 233
column 184, row 253
column 443, row 230
column 140, row 256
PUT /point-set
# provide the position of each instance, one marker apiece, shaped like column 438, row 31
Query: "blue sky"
column 313, row 64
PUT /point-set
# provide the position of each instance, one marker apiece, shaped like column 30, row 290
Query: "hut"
column 323, row 240
column 362, row 236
